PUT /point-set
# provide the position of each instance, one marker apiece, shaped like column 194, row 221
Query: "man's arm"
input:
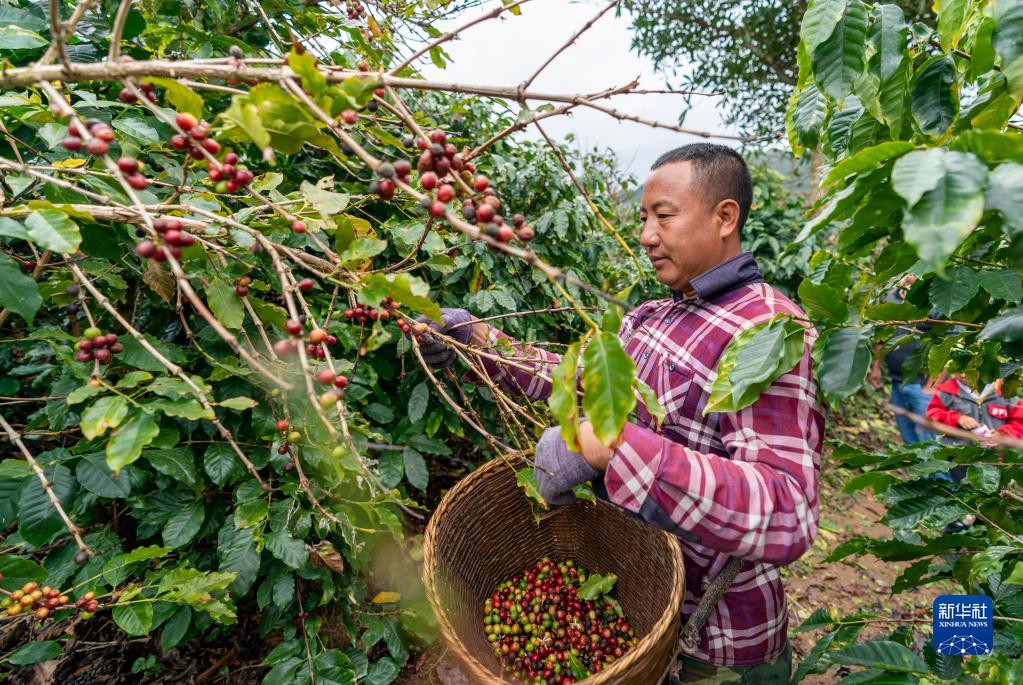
column 760, row 504
column 937, row 411
column 536, row 384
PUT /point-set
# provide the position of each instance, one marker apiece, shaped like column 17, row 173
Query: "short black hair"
column 721, row 173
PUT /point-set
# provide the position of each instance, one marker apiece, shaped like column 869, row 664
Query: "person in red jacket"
column 986, row 412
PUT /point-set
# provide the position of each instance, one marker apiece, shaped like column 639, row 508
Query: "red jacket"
column 952, row 400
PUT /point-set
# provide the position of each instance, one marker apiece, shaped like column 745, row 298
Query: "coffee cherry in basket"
column 548, row 626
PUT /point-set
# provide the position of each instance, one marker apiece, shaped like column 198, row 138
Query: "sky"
column 507, row 50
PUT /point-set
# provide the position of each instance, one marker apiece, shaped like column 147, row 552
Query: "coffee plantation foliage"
column 315, row 541
column 919, row 130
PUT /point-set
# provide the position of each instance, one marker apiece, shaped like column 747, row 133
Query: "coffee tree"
column 924, row 176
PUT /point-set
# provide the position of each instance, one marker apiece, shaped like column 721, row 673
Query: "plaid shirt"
column 742, row 484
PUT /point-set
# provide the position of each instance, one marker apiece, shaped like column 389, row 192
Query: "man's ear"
column 727, row 214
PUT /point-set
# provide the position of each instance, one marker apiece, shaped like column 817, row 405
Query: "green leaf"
column 183, row 525
column 16, row 38
column 416, row 471
column 382, row 672
column 951, row 22
column 866, row 160
column 269, row 313
column 116, row 569
column 526, row 479
column 1016, row 577
column 326, row 202
column 597, row 585
column 182, row 98
column 38, row 520
column 984, row 478
column 845, row 360
column 949, row 212
column 754, row 360
column 918, row 172
column 176, row 463
column 607, row 386
column 934, row 99
column 881, row 654
column 18, row 291
column 96, row 477
column 138, row 129
column 360, row 250
column 126, row 443
column 563, row 400
column 579, row 672
column 53, row 230
column 808, row 115
column 1008, row 42
column 823, row 299
column 36, row 651
column 649, row 397
column 839, row 60
column 1002, row 284
column 17, row 571
column 106, row 412
column 134, row 619
column 238, row 403
column 245, row 118
column 286, row 548
column 1007, row 327
column 184, row 408
column 1005, row 193
column 236, row 551
column 819, row 21
column 418, row 402
column 225, row 303
column 175, row 629
column 408, row 290
column 222, row 464
column 951, row 294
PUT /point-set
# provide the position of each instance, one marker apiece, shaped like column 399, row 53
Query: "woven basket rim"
column 484, row 675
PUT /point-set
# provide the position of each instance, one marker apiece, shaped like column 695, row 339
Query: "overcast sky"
column 507, row 50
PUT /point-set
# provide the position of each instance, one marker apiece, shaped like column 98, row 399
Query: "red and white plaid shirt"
column 742, row 484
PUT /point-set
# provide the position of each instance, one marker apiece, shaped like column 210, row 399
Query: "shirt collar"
column 728, row 275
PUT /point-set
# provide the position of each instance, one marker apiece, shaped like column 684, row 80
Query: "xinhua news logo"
column 963, row 625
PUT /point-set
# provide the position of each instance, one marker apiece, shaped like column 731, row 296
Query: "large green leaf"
column 326, row 202
column 225, row 303
column 1002, row 284
column 808, row 112
column 18, row 292
column 934, row 99
column 96, row 477
column 18, row 38
column 918, row 172
column 38, row 519
column 823, row 299
column 881, row 654
column 754, row 360
column 819, row 21
column 183, row 98
column 286, row 548
column 408, row 290
column 125, row 445
column 597, row 585
column 135, row 618
column 236, row 551
column 952, row 293
column 177, row 463
column 360, row 250
column 1007, row 327
column 1008, row 42
column 564, row 401
column 53, row 230
column 1005, row 193
column 183, row 525
column 867, row 159
column 845, row 360
column 35, row 651
column 17, row 571
column 222, row 464
column 951, row 22
column 608, row 398
column 839, row 60
column 106, row 412
column 949, row 212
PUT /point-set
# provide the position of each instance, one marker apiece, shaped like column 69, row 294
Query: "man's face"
column 682, row 235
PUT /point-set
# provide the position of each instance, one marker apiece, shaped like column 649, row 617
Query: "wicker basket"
column 483, row 532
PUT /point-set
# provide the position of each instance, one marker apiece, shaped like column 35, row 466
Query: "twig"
column 573, row 39
column 47, row 488
column 118, row 30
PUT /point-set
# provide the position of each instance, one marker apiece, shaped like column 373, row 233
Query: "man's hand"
column 593, row 450
column 558, row 469
column 457, row 324
column 875, row 376
column 967, row 423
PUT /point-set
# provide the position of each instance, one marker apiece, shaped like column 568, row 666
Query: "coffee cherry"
column 438, row 137
column 518, row 220
column 243, row 177
column 349, row 116
column 328, row 399
column 211, row 146
column 445, row 193
column 72, row 290
column 469, row 213
column 72, row 143
column 325, row 376
column 186, row 121
column 505, row 234
column 402, row 167
column 127, row 97
column 128, row 165
column 526, row 234
column 386, row 170
column 317, row 336
column 92, row 332
column 481, row 183
column 282, row 425
column 298, row 226
column 340, row 381
column 81, row 557
column 104, row 133
column 484, row 213
column 305, row 285
column 230, row 158
column 241, row 290
column 146, row 249
column 137, row 181
column 293, row 327
column 362, row 66
column 178, row 142
column 97, row 147
column 438, row 208
column 428, row 180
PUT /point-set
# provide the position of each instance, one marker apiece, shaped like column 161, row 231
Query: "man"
column 915, row 394
column 738, row 484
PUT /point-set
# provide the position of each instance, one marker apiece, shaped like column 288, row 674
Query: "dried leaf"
column 324, row 554
column 159, row 279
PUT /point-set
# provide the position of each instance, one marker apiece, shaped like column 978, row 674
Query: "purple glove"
column 437, row 354
column 559, row 469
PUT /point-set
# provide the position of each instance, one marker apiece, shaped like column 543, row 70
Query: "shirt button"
column 646, row 355
column 668, row 319
column 671, row 366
